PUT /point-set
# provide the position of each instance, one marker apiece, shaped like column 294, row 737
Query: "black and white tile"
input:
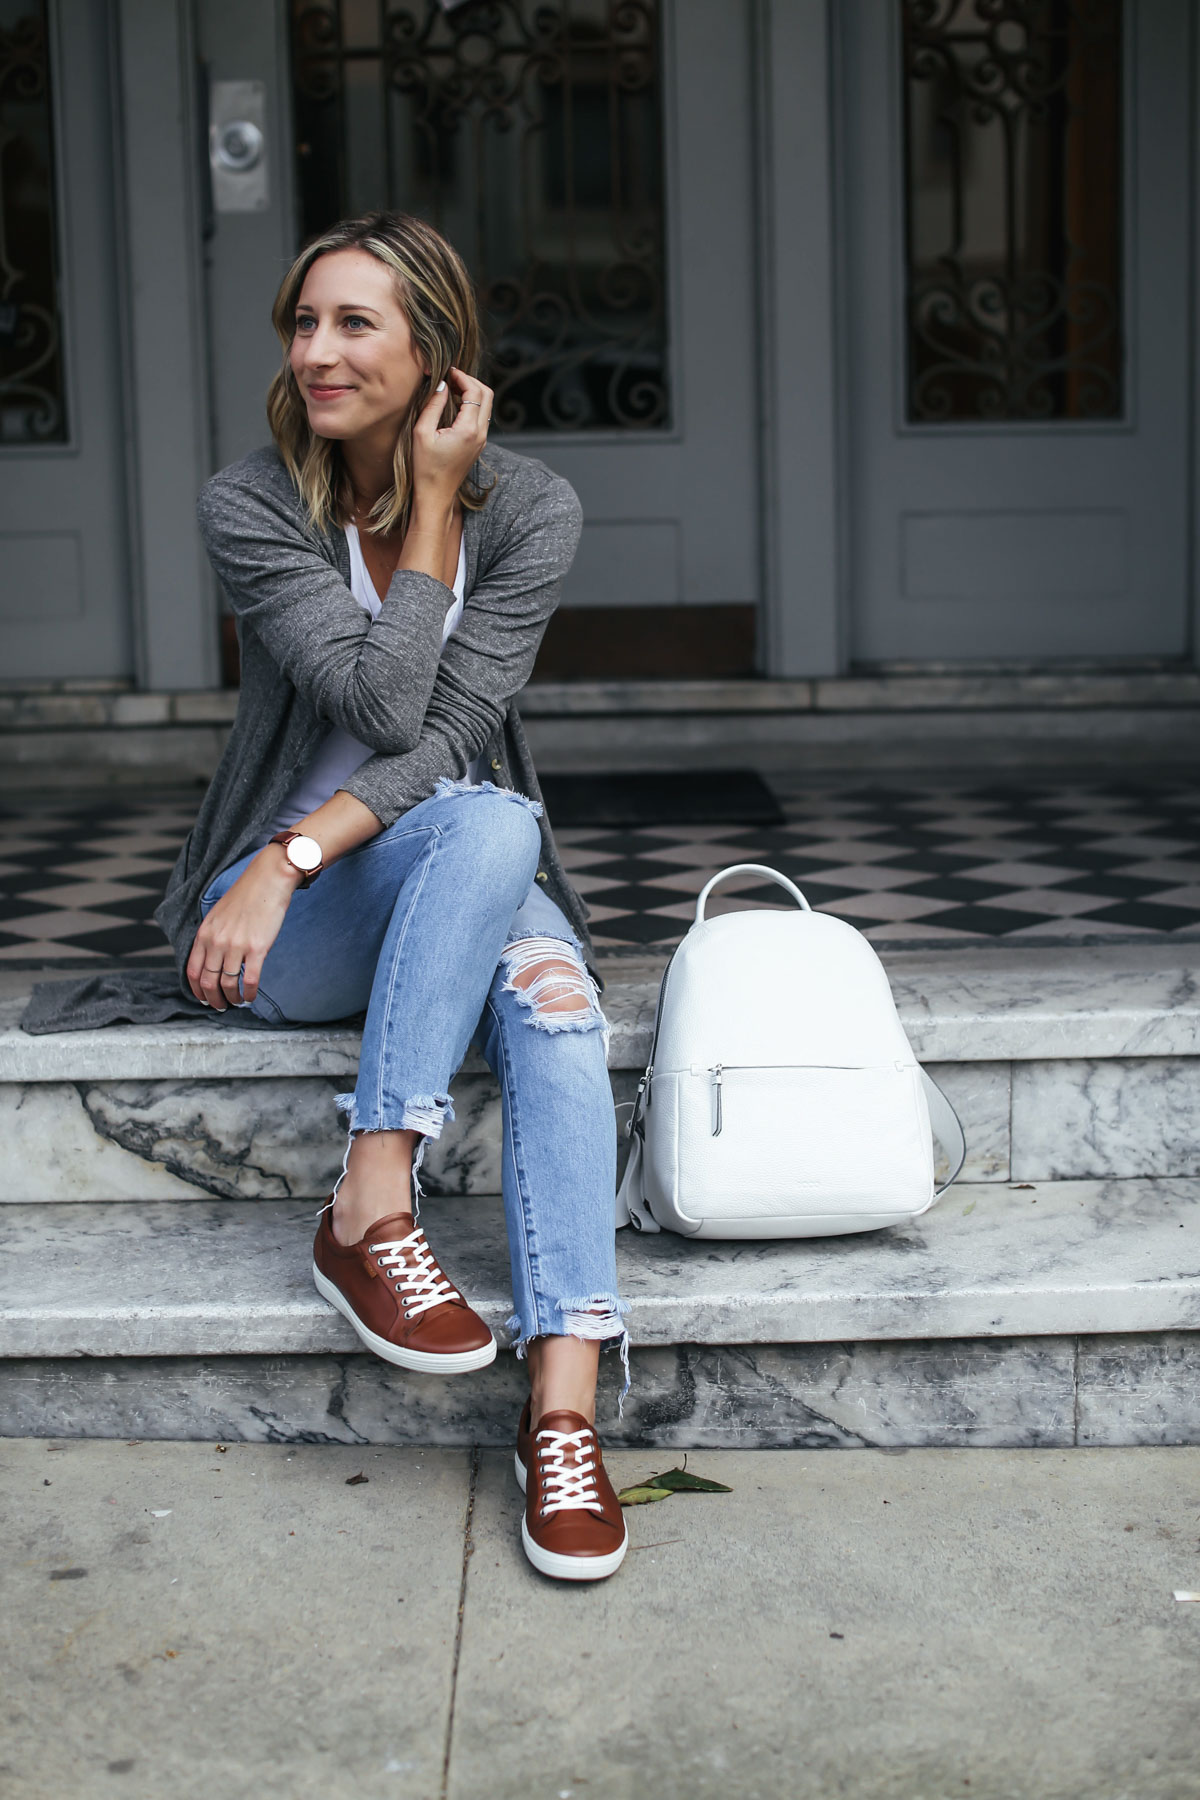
column 914, row 860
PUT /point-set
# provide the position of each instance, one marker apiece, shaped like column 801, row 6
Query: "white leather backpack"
column 783, row 1098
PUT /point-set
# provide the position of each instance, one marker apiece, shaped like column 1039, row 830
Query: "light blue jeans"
column 424, row 927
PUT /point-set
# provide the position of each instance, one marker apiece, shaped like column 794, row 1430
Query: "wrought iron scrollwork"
column 529, row 131
column 31, row 374
column 1013, row 209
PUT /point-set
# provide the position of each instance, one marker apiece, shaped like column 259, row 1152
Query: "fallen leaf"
column 1022, row 1187
column 357, row 1480
column 67, row 1574
column 679, row 1481
column 968, row 1210
column 220, row 1449
column 837, row 1634
column 642, row 1496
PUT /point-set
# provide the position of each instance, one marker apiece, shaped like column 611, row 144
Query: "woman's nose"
column 317, row 349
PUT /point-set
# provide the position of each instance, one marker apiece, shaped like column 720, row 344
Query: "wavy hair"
column 438, row 300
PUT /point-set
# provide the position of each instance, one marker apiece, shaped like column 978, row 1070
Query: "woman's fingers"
column 206, row 972
column 475, row 399
column 444, row 454
column 194, row 966
column 433, row 408
column 251, row 971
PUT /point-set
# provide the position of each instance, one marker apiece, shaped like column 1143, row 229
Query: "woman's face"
column 352, row 354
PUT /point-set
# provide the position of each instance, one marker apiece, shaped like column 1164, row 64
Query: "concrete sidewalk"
column 185, row 1621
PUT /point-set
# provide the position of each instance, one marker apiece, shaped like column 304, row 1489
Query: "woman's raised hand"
column 443, row 454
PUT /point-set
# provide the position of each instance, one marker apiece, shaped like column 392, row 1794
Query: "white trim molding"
column 802, row 624
column 174, row 601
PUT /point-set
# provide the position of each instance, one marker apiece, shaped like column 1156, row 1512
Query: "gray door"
column 608, row 215
column 64, row 592
column 1016, row 204
column 671, row 512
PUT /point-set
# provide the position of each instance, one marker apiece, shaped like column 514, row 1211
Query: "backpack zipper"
column 717, row 1072
column 642, row 1099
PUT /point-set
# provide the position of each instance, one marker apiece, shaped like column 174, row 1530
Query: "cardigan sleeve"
column 375, row 678
column 489, row 658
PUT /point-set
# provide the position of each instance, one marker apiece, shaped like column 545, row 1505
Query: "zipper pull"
column 716, row 1075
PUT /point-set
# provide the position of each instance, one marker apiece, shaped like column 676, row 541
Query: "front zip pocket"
column 717, row 1076
column 788, row 1141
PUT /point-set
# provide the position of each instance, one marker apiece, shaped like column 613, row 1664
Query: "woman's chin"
column 329, row 428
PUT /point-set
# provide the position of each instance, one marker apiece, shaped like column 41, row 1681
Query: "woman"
column 371, row 839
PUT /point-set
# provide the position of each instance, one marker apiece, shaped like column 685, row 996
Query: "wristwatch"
column 304, row 854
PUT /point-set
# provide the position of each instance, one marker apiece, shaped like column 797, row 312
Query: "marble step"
column 212, row 1279
column 59, row 736
column 1065, row 1064
column 1051, row 1316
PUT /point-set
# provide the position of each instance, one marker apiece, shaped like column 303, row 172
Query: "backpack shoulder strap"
column 631, row 1199
column 947, row 1128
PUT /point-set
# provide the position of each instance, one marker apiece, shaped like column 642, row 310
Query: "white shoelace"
column 420, row 1281
column 567, row 1487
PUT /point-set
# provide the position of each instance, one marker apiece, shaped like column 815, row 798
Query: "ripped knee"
column 548, row 978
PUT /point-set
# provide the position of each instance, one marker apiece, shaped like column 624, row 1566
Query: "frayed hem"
column 447, row 788
column 426, row 1113
column 597, row 1318
column 423, row 1113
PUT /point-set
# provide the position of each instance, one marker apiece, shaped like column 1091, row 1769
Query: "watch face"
column 305, row 852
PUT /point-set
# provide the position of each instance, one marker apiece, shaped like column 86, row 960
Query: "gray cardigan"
column 312, row 658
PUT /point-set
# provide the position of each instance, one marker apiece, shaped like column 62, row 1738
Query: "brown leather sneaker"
column 399, row 1302
column 573, row 1527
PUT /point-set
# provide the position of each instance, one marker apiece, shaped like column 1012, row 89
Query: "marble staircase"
column 159, row 1185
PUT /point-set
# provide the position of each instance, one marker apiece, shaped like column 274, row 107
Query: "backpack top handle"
column 749, row 869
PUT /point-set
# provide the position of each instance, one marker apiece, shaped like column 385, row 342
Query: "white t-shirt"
column 338, row 756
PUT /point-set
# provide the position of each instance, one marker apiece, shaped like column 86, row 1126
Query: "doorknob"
column 237, row 145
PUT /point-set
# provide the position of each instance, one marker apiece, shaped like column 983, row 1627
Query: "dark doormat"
column 677, row 797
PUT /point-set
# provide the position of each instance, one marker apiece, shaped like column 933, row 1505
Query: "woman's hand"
column 240, row 929
column 443, row 455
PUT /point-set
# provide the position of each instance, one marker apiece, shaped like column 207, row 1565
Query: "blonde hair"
column 438, row 300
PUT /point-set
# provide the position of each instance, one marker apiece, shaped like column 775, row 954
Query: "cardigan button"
column 496, row 763
column 542, row 875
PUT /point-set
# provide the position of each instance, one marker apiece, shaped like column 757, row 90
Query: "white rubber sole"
column 567, row 1568
column 572, row 1568
column 425, row 1362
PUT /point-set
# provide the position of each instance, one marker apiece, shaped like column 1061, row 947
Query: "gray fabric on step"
column 122, row 997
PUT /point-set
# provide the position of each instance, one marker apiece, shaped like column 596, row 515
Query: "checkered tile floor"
column 910, row 861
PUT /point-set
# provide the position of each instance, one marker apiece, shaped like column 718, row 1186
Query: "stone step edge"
column 1076, row 1391
column 965, row 1005
column 46, row 708
column 196, row 1278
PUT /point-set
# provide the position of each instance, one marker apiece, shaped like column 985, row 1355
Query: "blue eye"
column 304, row 323
column 356, row 319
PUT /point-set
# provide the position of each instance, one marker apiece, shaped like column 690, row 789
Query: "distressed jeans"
column 424, row 928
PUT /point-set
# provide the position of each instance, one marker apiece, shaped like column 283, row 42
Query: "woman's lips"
column 328, row 393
